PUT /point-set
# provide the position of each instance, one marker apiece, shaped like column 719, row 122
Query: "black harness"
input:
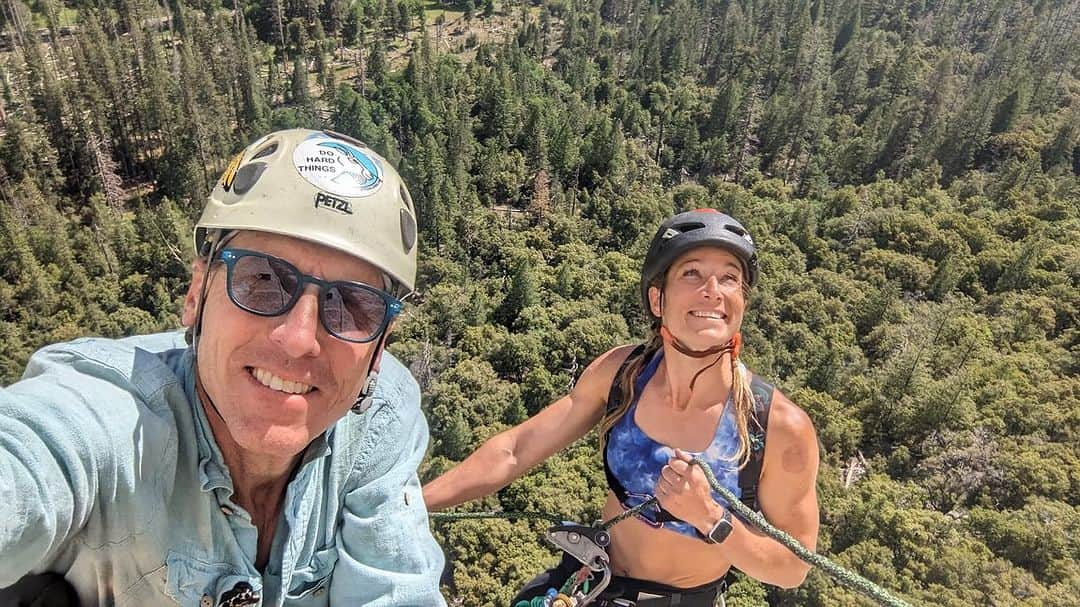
column 748, row 474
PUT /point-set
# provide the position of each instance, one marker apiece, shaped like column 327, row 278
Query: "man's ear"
column 194, row 293
column 656, row 301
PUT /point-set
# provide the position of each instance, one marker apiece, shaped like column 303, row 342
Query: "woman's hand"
column 684, row 491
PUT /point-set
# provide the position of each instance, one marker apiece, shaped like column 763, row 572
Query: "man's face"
column 278, row 382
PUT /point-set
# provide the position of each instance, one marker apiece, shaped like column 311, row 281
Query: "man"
column 273, row 460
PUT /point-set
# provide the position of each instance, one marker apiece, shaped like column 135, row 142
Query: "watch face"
column 722, row 529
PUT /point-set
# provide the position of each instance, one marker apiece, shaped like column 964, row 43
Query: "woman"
column 685, row 392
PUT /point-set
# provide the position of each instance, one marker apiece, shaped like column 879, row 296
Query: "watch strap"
column 720, row 530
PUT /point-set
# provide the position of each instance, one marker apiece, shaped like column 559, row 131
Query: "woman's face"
column 703, row 300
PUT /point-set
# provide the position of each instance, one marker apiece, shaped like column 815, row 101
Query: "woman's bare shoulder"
column 601, row 371
column 788, row 421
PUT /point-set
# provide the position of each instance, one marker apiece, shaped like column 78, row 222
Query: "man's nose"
column 298, row 330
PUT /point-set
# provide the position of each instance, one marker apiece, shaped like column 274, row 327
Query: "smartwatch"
column 720, row 530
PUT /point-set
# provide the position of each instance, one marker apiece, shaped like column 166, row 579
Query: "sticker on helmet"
column 230, row 171
column 337, row 167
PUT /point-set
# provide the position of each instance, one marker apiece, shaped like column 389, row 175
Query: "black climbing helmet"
column 692, row 229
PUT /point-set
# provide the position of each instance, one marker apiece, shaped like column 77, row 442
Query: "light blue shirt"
column 109, row 474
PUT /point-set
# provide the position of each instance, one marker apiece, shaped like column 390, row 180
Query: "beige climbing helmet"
column 322, row 187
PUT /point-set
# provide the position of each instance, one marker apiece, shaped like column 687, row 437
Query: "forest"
column 910, row 170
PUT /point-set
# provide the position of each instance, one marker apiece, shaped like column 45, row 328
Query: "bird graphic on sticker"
column 337, row 167
column 364, row 168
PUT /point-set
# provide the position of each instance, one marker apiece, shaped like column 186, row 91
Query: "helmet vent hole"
column 408, row 231
column 689, row 227
column 266, row 151
column 247, row 176
column 408, row 199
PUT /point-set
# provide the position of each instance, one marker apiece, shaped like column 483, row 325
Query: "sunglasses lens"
column 352, row 312
column 262, row 285
column 269, row 286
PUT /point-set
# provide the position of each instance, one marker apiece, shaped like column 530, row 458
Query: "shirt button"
column 227, row 511
column 206, row 601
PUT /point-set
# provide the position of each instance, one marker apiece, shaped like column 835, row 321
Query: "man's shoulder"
column 119, row 353
column 397, row 386
column 142, row 365
column 393, row 417
column 110, row 401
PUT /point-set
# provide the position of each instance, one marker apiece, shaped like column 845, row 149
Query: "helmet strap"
column 733, row 346
column 210, row 247
column 195, row 331
column 685, row 350
column 367, row 391
column 205, row 396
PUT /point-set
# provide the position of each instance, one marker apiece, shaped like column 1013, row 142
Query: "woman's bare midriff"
column 640, row 551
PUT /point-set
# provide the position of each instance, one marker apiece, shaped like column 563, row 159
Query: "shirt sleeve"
column 77, row 440
column 52, row 449
column 386, row 553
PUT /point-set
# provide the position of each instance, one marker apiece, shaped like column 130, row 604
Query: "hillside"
column 909, row 168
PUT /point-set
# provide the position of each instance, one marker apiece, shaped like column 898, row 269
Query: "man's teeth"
column 716, row 315
column 274, row 382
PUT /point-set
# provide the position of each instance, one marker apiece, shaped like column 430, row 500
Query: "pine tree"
column 299, row 90
column 254, row 109
column 377, row 67
column 20, row 266
column 402, row 19
column 25, row 153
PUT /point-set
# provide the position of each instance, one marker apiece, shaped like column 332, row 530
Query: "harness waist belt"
column 696, row 598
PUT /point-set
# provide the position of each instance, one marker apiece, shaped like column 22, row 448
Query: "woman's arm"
column 787, row 494
column 510, row 454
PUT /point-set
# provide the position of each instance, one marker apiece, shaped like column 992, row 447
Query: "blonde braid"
column 629, row 378
column 743, row 400
column 742, row 396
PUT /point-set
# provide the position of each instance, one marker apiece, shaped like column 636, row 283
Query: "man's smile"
column 274, row 382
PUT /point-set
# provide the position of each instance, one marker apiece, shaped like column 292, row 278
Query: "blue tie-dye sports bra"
column 635, row 460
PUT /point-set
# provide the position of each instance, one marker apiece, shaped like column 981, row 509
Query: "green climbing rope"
column 457, row 516
column 845, row 577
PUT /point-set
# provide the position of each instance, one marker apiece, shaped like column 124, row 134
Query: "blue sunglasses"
column 268, row 286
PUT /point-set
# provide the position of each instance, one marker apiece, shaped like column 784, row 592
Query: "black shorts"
column 632, row 591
